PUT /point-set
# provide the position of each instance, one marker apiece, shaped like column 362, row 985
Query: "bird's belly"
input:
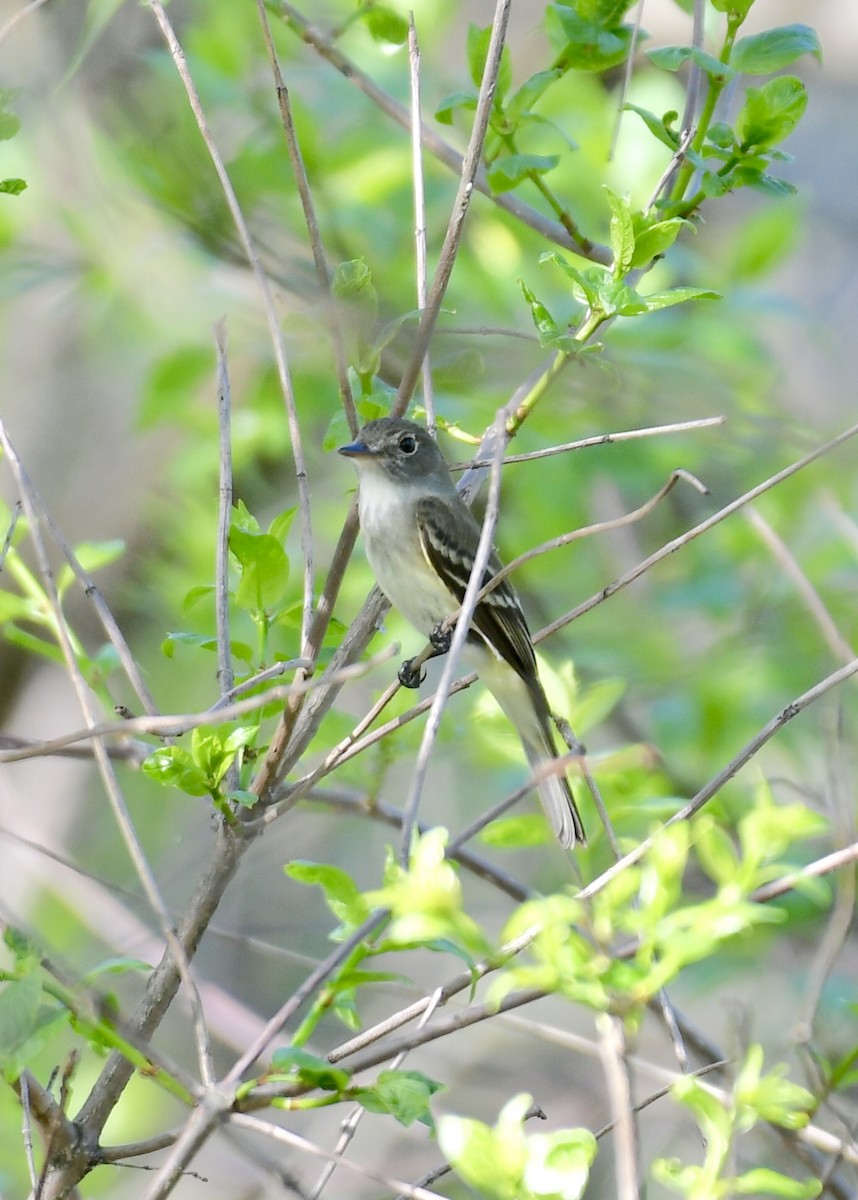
column 411, row 586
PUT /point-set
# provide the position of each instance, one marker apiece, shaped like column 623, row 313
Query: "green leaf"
column 659, row 127
column 672, row 58
column 118, row 965
column 478, row 49
column 310, row 1069
column 604, row 12
column 657, row 300
column 774, row 49
column 451, row 104
column 173, row 766
column 514, row 832
column 9, row 125
column 508, row 172
column 12, row 186
column 385, row 25
column 585, row 45
column 545, row 324
column 342, row 895
column 737, row 9
column 771, row 112
column 264, row 569
column 20, row 1001
column 405, row 1095
column 622, row 234
column 532, row 90
column 244, row 798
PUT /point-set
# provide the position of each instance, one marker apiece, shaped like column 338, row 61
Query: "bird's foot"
column 440, row 638
column 409, row 675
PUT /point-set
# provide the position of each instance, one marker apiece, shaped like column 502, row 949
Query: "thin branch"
column 419, row 209
column 295, row 1142
column 600, row 439
column 689, row 536
column 302, row 182
column 811, row 598
column 612, row 1051
column 350, row 1125
column 628, row 71
column 733, row 767
column 835, row 861
column 225, row 674
column 377, row 810
column 178, row 723
column 275, row 333
column 20, row 16
column 461, row 205
column 121, row 815
column 103, row 612
column 553, row 231
column 316, row 977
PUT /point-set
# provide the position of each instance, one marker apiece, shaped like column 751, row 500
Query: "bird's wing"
column 449, row 542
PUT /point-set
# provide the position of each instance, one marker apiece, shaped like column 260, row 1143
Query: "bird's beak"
column 355, row 450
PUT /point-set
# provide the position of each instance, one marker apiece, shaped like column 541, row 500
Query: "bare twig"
column 811, row 598
column 309, row 209
column 420, row 261
column 121, row 815
column 15, row 20
column 295, row 1142
column 553, row 231
column 177, row 724
column 704, row 526
column 225, row 674
column 733, row 767
column 274, row 329
column 600, row 439
column 461, row 205
column 379, row 811
column 612, row 1051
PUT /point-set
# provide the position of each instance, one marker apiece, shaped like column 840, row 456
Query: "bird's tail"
column 556, row 796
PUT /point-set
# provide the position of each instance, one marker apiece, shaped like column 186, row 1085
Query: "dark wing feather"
column 449, row 539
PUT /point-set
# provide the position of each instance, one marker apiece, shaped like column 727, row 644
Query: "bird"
column 421, row 542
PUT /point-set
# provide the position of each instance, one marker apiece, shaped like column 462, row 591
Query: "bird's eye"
column 408, row 444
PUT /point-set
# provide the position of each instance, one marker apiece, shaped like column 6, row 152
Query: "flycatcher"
column 421, row 541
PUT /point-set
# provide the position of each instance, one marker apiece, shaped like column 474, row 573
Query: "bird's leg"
column 440, row 639
column 411, row 674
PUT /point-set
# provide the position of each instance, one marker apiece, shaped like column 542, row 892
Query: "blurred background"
column 115, row 264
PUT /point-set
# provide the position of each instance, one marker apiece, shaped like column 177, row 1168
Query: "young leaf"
column 508, row 172
column 671, row 58
column 774, row 49
column 622, row 234
column 403, row 1094
column 771, row 112
column 585, row 45
column 478, row 49
column 341, row 892
column 385, row 25
column 310, row 1069
column 265, row 569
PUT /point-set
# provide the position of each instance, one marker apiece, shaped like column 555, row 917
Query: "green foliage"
column 755, row 1097
column 505, row 1163
column 667, row 684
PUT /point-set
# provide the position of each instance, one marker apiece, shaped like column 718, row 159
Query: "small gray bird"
column 421, row 541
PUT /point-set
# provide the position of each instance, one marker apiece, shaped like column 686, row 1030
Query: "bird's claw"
column 409, row 675
column 440, row 638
